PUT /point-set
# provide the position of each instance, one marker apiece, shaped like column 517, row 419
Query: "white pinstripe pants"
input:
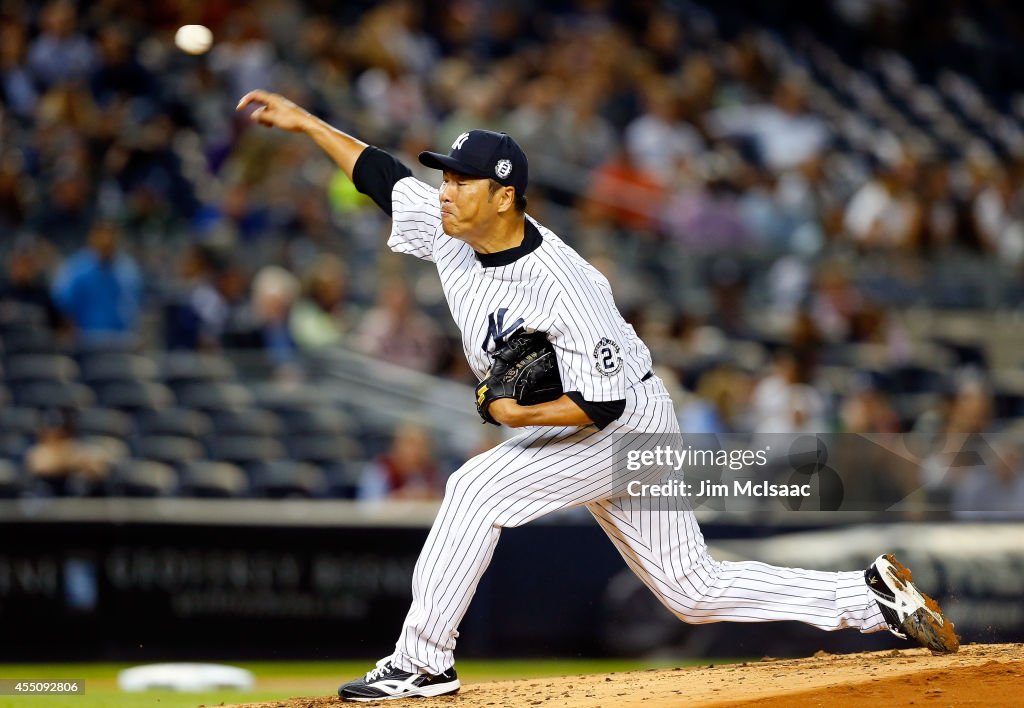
column 547, row 469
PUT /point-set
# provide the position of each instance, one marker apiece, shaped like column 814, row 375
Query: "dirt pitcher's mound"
column 980, row 675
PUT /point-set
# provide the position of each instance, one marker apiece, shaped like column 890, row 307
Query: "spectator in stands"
column 397, row 331
column 67, row 465
column 972, row 408
column 999, row 217
column 657, row 139
column 67, row 209
column 783, row 132
column 720, row 403
column 968, row 413
column 274, row 291
column 195, row 311
column 60, row 53
column 25, row 280
column 99, row 289
column 18, row 90
column 941, row 226
column 885, row 213
column 866, row 409
column 784, row 402
column 625, row 194
column 14, row 198
column 577, row 132
column 322, row 317
column 702, row 212
column 993, row 490
column 118, row 76
column 408, row 470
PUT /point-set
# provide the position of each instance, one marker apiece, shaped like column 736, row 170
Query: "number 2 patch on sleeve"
column 607, row 357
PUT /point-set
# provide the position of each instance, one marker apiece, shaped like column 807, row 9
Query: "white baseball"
column 193, row 39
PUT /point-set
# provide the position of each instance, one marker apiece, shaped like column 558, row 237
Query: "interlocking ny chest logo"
column 496, row 329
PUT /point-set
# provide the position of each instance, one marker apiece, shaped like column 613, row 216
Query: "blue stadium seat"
column 12, row 482
column 103, row 421
column 30, row 341
column 213, row 480
column 287, row 479
column 119, row 366
column 214, row 396
column 143, row 478
column 135, row 396
column 169, row 449
column 246, row 450
column 320, row 420
column 19, row 420
column 182, row 366
column 252, row 421
column 40, row 367
column 324, row 449
column 52, row 394
column 88, row 348
column 280, row 399
column 182, row 422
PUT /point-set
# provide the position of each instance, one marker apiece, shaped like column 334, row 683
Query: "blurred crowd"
column 764, row 194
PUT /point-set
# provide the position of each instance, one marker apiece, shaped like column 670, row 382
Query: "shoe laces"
column 383, row 667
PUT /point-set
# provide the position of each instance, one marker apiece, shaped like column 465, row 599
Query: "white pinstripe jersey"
column 551, row 289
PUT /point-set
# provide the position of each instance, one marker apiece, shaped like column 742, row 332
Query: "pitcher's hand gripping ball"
column 525, row 369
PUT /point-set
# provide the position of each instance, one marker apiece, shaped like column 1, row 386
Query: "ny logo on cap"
column 457, row 145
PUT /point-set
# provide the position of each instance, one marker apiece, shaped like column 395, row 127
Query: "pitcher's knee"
column 463, row 479
column 687, row 595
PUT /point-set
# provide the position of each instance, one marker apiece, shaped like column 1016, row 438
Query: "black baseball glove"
column 525, row 369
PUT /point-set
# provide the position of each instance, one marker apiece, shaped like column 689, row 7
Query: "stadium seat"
column 342, row 480
column 40, row 367
column 169, row 449
column 30, row 341
column 135, row 395
column 19, row 420
column 21, row 315
column 287, row 479
column 118, row 366
column 215, row 396
column 11, row 482
column 247, row 422
column 246, row 450
column 174, row 421
column 318, row 421
column 14, row 445
column 217, row 480
column 53, row 394
column 103, row 421
column 88, row 348
column 143, row 478
column 281, row 399
column 181, row 366
column 324, row 449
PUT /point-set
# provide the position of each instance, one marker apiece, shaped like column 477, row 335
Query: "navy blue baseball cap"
column 484, row 154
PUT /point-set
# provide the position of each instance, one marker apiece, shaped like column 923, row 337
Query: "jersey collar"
column 531, row 242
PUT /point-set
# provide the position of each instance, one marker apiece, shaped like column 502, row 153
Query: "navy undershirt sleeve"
column 375, row 174
column 603, row 413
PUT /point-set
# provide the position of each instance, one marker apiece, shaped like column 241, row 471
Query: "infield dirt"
column 980, row 675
